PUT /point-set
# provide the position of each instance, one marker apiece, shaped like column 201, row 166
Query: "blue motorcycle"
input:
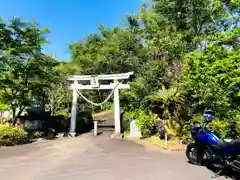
column 209, row 147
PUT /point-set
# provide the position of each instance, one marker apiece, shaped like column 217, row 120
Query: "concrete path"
column 93, row 158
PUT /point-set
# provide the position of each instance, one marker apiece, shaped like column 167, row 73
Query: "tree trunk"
column 14, row 118
column 53, row 110
column 21, row 109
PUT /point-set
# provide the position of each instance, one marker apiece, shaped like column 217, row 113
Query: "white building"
column 5, row 114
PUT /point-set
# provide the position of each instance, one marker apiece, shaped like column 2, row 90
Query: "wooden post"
column 165, row 138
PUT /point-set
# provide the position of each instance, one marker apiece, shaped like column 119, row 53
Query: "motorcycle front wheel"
column 194, row 155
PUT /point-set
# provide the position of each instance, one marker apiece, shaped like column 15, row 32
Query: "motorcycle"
column 209, row 147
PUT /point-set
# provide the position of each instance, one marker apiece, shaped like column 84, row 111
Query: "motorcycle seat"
column 234, row 144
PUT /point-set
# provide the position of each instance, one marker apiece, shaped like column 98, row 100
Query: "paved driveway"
column 92, row 158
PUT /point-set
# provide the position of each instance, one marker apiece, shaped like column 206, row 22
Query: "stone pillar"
column 74, row 112
column 95, row 128
column 117, row 110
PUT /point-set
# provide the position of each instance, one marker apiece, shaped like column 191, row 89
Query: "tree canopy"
column 26, row 72
column 185, row 55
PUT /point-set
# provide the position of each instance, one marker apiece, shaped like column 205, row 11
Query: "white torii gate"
column 94, row 85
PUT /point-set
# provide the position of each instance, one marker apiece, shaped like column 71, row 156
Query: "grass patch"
column 160, row 142
column 172, row 144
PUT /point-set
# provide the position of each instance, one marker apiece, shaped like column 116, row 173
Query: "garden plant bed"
column 156, row 143
column 172, row 145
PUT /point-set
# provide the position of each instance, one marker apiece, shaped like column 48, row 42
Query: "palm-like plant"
column 167, row 97
column 172, row 101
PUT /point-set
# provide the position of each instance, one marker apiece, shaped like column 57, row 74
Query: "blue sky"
column 69, row 20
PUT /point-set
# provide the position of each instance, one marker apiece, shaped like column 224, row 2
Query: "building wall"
column 5, row 114
column 8, row 114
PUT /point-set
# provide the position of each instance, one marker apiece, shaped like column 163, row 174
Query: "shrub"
column 144, row 120
column 221, row 126
column 196, row 119
column 3, row 120
column 65, row 114
column 10, row 136
column 237, row 125
column 172, row 128
column 84, row 122
column 107, row 106
column 37, row 134
column 127, row 117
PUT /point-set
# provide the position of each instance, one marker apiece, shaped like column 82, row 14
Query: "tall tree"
column 25, row 70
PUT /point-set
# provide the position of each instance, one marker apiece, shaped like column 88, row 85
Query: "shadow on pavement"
column 228, row 172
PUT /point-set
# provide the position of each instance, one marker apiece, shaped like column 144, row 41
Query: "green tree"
column 189, row 47
column 58, row 96
column 25, row 70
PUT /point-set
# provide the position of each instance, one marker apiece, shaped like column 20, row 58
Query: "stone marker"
column 134, row 130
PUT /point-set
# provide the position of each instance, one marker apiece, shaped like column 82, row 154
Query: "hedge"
column 10, row 136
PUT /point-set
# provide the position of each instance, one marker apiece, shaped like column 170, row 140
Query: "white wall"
column 8, row 114
column 5, row 114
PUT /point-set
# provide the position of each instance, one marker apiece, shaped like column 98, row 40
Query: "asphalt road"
column 91, row 158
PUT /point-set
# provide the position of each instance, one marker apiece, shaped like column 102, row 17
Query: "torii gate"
column 94, row 85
